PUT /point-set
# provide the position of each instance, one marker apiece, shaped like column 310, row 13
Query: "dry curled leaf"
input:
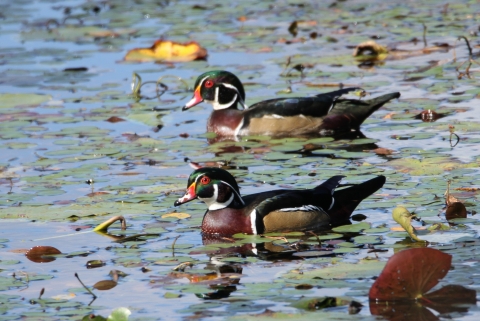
column 402, row 216
column 370, row 48
column 168, row 51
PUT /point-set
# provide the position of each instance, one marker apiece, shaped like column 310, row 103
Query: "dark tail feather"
column 357, row 110
column 329, row 185
column 338, row 93
column 347, row 199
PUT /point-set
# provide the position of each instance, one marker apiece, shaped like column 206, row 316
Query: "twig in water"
column 451, row 128
column 173, row 245
column 470, row 59
column 424, row 35
column 318, row 239
column 42, row 291
column 88, row 290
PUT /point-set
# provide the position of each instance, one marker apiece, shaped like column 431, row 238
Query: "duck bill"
column 189, row 196
column 196, row 99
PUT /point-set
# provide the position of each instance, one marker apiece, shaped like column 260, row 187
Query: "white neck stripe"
column 253, row 221
column 216, row 205
column 241, row 200
column 240, row 100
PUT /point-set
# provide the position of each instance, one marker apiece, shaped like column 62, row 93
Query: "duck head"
column 214, row 186
column 220, row 88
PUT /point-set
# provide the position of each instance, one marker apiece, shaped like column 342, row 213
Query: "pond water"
column 60, row 127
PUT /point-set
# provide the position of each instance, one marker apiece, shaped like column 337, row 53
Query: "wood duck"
column 273, row 211
column 324, row 114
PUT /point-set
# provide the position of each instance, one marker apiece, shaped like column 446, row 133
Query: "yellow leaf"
column 402, row 216
column 168, row 51
column 64, row 296
column 180, row 216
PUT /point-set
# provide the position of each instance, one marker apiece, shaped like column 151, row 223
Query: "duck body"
column 272, row 211
column 324, row 114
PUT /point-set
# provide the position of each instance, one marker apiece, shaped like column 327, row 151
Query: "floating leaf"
column 180, row 216
column 170, row 295
column 105, row 285
column 362, row 269
column 119, row 314
column 16, row 100
column 456, row 210
column 42, row 254
column 410, row 274
column 353, row 228
column 168, row 51
column 320, row 303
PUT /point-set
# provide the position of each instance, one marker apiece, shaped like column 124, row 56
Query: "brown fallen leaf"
column 168, row 51
column 382, row 151
column 42, row 254
column 455, row 210
column 115, row 119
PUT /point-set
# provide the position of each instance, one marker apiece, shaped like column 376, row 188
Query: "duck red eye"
column 204, row 180
column 208, row 84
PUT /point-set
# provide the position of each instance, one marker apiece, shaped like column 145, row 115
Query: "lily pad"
column 21, row 100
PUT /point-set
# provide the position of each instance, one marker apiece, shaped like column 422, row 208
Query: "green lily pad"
column 19, row 100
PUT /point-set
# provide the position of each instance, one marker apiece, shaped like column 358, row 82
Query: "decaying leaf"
column 105, row 285
column 371, row 49
column 42, row 254
column 456, row 210
column 168, row 51
column 293, row 28
column 402, row 216
column 429, row 116
column 177, row 215
column 320, row 303
column 382, row 151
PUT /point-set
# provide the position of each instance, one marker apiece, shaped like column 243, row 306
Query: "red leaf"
column 42, row 254
column 451, row 294
column 401, row 311
column 409, row 274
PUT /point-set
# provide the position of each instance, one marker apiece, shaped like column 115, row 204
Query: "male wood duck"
column 324, row 114
column 273, row 211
